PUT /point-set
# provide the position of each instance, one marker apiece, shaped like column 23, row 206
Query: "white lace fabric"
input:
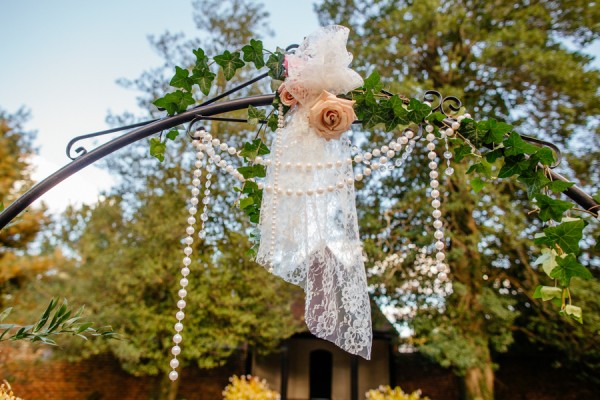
column 312, row 240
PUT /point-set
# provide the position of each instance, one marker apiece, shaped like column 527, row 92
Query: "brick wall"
column 34, row 376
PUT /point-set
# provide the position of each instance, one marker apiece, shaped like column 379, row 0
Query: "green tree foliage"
column 503, row 60
column 129, row 246
column 17, row 264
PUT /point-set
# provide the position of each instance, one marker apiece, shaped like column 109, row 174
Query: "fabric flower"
column 286, row 97
column 331, row 116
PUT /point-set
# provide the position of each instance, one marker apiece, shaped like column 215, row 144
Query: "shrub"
column 6, row 392
column 387, row 393
column 248, row 388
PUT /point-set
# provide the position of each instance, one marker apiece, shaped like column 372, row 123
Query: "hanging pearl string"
column 189, row 240
column 276, row 190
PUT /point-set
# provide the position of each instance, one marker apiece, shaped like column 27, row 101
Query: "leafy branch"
column 55, row 320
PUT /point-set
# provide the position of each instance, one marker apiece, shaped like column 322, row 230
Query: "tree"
column 17, row 263
column 507, row 61
column 129, row 245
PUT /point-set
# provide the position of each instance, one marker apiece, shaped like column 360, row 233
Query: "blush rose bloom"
column 331, row 116
column 286, row 97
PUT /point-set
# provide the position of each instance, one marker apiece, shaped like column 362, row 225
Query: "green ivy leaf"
column 559, row 186
column 201, row 58
column 544, row 156
column 535, row 181
column 203, row 77
column 547, row 260
column 253, row 52
column 566, row 235
column 175, row 102
column 229, row 63
column 547, row 293
column 482, row 167
column 551, row 208
column 515, row 145
column 275, row 65
column 477, row 184
column 493, row 155
column 172, row 134
column 272, row 122
column 436, row 117
column 255, row 115
column 373, row 82
column 157, row 149
column 496, row 131
column 245, row 202
column 461, row 152
column 417, row 111
column 568, row 267
column 513, row 166
column 181, row 79
column 574, row 312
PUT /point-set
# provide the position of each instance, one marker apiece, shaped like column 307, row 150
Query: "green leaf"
column 417, row 111
column 596, row 197
column 259, row 171
column 248, row 201
column 172, row 134
column 547, row 293
column 547, row 260
column 157, row 149
column 175, row 102
column 551, row 208
column 477, row 184
column 272, row 122
column 83, row 327
column 483, row 168
column 436, row 117
column 373, row 82
column 493, row 155
column 574, row 312
column 568, row 267
column 181, row 79
column 544, row 156
column 535, row 181
column 496, row 132
column 201, row 58
column 461, row 152
column 254, row 53
column 566, row 235
column 5, row 313
column 203, row 77
column 229, row 63
column 559, row 186
column 256, row 115
column 513, row 166
column 515, row 145
column 275, row 65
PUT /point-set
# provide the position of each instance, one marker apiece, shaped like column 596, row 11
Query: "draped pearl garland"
column 386, row 157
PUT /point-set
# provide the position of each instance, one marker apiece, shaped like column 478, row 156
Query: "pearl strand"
column 435, row 194
column 189, row 240
column 276, row 189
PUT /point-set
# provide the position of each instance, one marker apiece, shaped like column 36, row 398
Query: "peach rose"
column 286, row 97
column 331, row 116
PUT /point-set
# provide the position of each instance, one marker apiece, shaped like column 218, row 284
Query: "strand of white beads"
column 435, row 195
column 209, row 144
column 187, row 251
column 406, row 139
column 276, row 189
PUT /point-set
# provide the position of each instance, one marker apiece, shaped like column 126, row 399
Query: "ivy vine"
column 493, row 149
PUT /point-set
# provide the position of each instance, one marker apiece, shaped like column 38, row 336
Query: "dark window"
column 321, row 369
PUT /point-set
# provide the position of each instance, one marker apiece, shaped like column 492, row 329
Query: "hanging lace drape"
column 309, row 229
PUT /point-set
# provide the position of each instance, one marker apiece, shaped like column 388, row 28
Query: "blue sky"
column 61, row 58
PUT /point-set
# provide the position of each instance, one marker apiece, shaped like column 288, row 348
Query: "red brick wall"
column 100, row 378
column 35, row 377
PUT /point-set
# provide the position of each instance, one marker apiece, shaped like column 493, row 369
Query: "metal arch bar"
column 83, row 161
column 574, row 192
